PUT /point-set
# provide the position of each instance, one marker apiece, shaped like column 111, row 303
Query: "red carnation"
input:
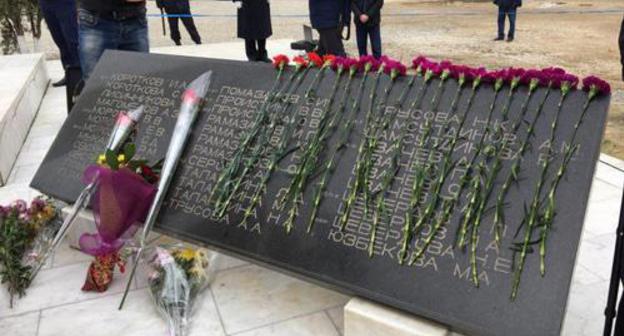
column 300, row 61
column 315, row 59
column 280, row 61
column 329, row 60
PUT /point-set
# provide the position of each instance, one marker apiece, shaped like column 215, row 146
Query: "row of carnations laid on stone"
column 481, row 169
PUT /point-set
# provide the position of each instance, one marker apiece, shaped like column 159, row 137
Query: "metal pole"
column 616, row 272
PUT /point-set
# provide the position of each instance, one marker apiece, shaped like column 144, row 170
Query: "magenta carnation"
column 338, row 62
column 534, row 75
column 597, row 85
column 493, row 76
column 351, row 63
column 370, row 61
column 418, row 61
column 554, row 71
column 561, row 81
column 432, row 67
column 394, row 68
column 512, row 75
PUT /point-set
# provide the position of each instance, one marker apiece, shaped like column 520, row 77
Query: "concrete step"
column 23, row 85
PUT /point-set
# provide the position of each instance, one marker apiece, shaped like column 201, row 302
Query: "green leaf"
column 111, row 159
column 129, row 151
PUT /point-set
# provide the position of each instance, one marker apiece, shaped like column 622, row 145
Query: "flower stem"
column 389, row 174
column 533, row 215
column 329, row 166
column 445, row 172
column 233, row 166
column 461, row 241
column 279, row 151
column 358, row 180
column 310, row 157
column 499, row 214
column 418, row 174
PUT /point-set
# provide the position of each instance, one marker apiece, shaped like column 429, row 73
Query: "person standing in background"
column 329, row 17
column 507, row 8
column 61, row 18
column 110, row 24
column 179, row 10
column 622, row 47
column 367, row 17
column 254, row 26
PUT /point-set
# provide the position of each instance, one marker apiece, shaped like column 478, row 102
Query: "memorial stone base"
column 363, row 317
column 24, row 82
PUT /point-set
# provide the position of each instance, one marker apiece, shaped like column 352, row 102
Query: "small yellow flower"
column 121, row 158
column 101, row 159
column 187, row 254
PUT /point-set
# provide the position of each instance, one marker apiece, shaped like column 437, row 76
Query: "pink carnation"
column 598, row 85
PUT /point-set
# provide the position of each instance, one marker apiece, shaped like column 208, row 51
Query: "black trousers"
column 622, row 47
column 255, row 49
column 330, row 42
column 174, row 15
column 62, row 21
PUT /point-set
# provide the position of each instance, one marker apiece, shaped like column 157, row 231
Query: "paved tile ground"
column 248, row 300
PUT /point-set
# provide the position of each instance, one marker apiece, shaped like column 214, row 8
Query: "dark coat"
column 329, row 13
column 254, row 20
column 372, row 8
column 508, row 3
column 622, row 47
column 174, row 6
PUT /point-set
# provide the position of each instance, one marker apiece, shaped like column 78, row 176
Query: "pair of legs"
column 60, row 17
column 97, row 34
column 174, row 15
column 506, row 13
column 364, row 33
column 330, row 42
column 256, row 50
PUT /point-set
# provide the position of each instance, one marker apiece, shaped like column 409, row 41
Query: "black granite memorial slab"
column 438, row 285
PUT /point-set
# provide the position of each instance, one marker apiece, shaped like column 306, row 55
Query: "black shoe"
column 263, row 56
column 499, row 39
column 510, row 39
column 177, row 42
column 60, row 83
